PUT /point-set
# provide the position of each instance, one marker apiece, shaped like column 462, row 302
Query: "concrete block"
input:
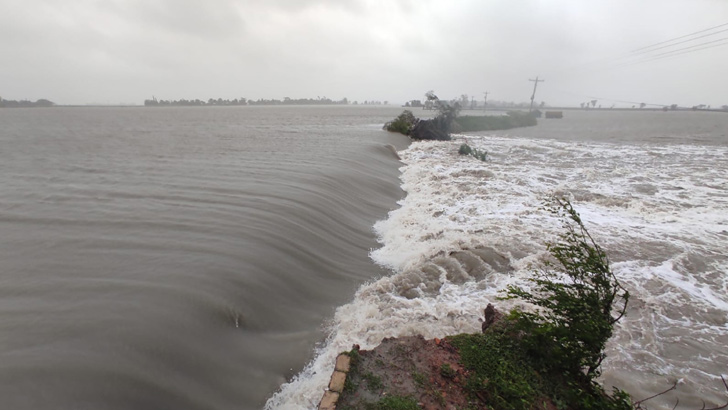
column 337, row 381
column 328, row 402
column 343, row 363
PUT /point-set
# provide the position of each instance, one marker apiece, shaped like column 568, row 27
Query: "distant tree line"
column 592, row 104
column 371, row 102
column 25, row 103
column 155, row 102
column 300, row 101
column 243, row 101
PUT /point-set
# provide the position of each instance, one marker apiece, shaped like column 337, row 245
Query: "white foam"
column 661, row 212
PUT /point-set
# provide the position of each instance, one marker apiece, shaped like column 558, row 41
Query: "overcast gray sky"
column 123, row 51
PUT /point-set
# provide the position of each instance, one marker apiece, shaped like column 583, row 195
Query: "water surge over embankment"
column 180, row 258
column 468, row 228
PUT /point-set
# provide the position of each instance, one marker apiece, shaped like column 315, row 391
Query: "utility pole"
column 485, row 101
column 535, row 84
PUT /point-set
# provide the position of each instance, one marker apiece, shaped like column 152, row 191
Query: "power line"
column 687, row 50
column 593, row 97
column 648, row 54
column 647, row 58
column 691, row 47
column 634, row 56
column 678, row 38
column 681, row 42
column 675, row 53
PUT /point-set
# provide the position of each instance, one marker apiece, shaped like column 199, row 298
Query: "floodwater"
column 199, row 258
column 180, row 258
column 652, row 188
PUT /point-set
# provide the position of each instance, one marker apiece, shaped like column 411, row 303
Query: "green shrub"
column 402, row 124
column 551, row 357
column 575, row 317
column 481, row 155
column 466, row 149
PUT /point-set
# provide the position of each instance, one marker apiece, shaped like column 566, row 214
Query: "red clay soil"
column 426, row 370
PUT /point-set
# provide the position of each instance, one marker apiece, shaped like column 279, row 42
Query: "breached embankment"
column 666, row 253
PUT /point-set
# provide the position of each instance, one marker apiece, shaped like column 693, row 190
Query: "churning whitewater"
column 468, row 228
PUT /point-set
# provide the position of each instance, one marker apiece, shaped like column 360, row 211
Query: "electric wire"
column 644, row 54
column 691, row 47
column 647, row 54
column 681, row 42
column 678, row 38
column 675, row 53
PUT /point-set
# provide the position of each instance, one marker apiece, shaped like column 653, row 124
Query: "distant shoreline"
column 490, row 109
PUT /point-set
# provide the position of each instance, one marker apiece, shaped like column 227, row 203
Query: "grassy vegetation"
column 419, row 379
column 504, row 375
column 349, row 384
column 354, row 356
column 499, row 372
column 387, row 403
column 395, row 403
column 469, row 123
column 447, row 371
column 373, row 381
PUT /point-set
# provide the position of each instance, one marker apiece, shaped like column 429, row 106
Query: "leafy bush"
column 403, row 123
column 550, row 357
column 576, row 315
column 466, row 149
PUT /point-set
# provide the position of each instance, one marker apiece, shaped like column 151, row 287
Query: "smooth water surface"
column 180, row 258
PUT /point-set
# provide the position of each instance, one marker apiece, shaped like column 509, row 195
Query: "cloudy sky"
column 123, row 51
